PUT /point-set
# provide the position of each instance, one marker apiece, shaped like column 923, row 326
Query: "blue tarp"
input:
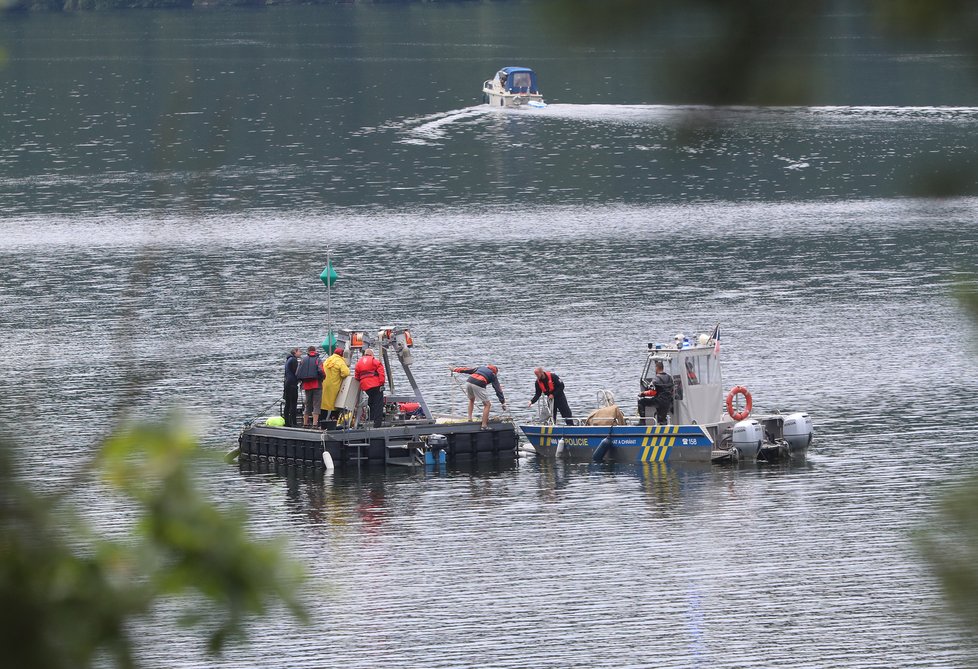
column 519, row 79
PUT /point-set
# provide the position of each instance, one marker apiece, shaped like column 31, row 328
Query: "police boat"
column 513, row 87
column 704, row 423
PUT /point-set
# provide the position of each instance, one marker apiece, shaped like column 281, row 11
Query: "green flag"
column 329, row 343
column 328, row 276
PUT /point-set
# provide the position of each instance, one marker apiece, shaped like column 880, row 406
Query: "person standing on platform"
column 336, row 370
column 370, row 373
column 550, row 385
column 477, row 388
column 291, row 390
column 311, row 374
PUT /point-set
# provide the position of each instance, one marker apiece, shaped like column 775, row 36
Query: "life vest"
column 309, row 368
column 369, row 372
column 482, row 376
column 546, row 384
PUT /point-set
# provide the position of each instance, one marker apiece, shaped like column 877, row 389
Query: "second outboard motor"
column 798, row 430
column 747, row 436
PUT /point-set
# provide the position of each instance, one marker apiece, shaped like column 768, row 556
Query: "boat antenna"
column 329, row 301
column 329, row 277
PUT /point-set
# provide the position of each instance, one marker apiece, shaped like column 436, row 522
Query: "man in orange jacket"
column 370, row 373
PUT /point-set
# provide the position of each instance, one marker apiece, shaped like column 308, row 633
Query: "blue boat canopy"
column 518, row 79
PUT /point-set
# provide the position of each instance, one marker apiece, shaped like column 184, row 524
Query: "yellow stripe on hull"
column 656, row 449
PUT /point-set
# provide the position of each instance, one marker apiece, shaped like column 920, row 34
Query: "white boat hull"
column 494, row 99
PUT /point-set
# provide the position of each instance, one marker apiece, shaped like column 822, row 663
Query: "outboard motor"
column 746, row 437
column 798, row 431
column 437, row 452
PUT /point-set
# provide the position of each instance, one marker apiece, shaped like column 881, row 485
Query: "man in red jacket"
column 370, row 373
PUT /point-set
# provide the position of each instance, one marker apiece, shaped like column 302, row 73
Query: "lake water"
column 169, row 183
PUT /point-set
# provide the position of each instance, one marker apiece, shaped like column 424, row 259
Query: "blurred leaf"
column 68, row 598
column 952, row 550
column 197, row 547
column 967, row 294
column 922, row 18
column 729, row 53
column 62, row 601
column 721, row 52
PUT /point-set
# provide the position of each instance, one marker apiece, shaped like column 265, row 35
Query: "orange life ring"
column 739, row 415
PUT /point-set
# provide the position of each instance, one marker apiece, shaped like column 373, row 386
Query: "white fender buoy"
column 328, row 460
column 560, row 446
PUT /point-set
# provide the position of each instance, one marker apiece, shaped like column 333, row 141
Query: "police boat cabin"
column 704, row 424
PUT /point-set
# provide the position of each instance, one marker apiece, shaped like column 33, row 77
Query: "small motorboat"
column 513, row 87
column 704, row 424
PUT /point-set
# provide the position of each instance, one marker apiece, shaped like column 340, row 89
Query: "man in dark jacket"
column 291, row 391
column 311, row 375
column 550, row 385
column 477, row 388
column 658, row 396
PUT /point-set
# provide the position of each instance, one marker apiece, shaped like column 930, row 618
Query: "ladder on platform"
column 356, row 451
column 404, row 452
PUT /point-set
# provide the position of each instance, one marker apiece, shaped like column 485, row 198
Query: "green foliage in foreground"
column 951, row 548
column 68, row 598
column 969, row 298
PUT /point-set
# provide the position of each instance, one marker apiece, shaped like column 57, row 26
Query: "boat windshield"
column 520, row 82
column 649, row 372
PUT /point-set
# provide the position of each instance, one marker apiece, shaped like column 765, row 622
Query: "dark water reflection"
column 367, row 106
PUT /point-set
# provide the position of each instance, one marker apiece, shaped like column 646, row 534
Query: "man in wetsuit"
column 658, row 396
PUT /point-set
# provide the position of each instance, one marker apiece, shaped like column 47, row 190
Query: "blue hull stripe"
column 652, row 443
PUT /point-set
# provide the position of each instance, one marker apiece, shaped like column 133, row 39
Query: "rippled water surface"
column 170, row 229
